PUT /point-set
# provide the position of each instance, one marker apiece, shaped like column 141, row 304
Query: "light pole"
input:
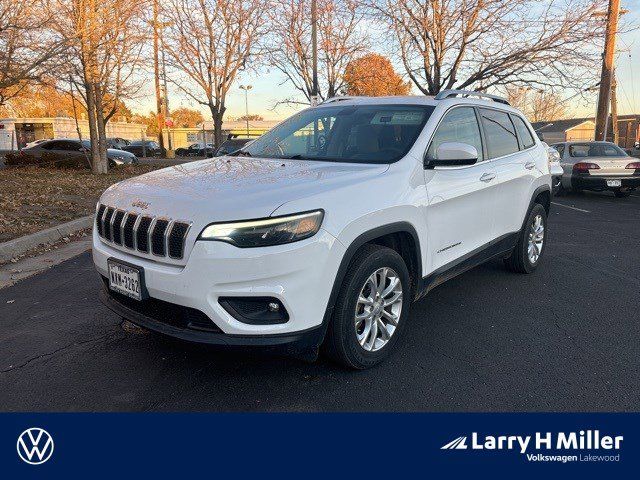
column 314, row 53
column 246, row 89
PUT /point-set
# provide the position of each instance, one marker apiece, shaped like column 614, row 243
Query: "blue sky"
column 269, row 86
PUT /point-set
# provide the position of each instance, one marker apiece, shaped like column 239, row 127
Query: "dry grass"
column 32, row 199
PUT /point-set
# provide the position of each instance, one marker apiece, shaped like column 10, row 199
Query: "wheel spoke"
column 392, row 285
column 393, row 319
column 397, row 296
column 382, row 328
column 383, row 279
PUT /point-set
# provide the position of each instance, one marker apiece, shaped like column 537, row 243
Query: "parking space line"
column 572, row 208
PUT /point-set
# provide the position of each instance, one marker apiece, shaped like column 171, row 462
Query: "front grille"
column 117, row 226
column 160, row 236
column 166, row 312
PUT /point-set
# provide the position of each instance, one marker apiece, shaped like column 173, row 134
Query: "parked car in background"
column 36, row 142
column 117, row 142
column 597, row 166
column 554, row 168
column 195, row 150
column 71, row 153
column 142, row 148
column 231, row 145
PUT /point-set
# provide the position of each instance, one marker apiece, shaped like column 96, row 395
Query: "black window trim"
column 482, row 139
column 480, row 107
column 520, row 142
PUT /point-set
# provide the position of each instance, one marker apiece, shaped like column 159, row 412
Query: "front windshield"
column 596, row 150
column 358, row 134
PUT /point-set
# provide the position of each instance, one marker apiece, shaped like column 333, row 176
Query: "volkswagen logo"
column 35, row 446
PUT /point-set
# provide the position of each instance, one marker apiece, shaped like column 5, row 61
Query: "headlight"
column 118, row 160
column 267, row 231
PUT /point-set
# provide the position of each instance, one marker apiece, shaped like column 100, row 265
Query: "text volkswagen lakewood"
column 324, row 230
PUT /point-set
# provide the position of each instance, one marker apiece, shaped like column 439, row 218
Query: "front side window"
column 595, row 150
column 355, row 134
column 523, row 132
column 458, row 125
column 499, row 133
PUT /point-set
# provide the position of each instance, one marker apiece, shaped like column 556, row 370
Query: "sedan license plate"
column 614, row 183
column 125, row 280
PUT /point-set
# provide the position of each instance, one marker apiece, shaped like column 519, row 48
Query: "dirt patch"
column 32, row 199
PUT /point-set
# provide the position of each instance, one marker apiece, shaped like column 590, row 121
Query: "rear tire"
column 527, row 253
column 364, row 342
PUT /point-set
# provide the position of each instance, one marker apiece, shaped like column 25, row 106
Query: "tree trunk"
column 96, row 166
column 217, row 114
column 102, row 137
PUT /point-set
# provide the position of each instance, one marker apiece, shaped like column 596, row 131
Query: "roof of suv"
column 449, row 96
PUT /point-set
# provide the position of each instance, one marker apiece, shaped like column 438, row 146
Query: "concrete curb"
column 18, row 246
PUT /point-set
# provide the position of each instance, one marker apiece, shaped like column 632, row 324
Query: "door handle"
column 487, row 177
column 529, row 165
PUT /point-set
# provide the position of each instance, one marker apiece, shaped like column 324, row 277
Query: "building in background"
column 15, row 133
column 183, row 137
column 576, row 129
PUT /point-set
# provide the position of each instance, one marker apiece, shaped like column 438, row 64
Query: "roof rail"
column 469, row 93
column 340, row 98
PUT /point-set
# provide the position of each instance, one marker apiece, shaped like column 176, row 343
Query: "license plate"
column 614, row 183
column 125, row 279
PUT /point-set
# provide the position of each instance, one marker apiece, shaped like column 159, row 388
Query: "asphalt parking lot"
column 566, row 338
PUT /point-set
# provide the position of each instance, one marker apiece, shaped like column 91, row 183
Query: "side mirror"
column 452, row 154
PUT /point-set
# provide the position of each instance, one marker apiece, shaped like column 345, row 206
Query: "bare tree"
column 537, row 105
column 209, row 42
column 28, row 47
column 341, row 38
column 106, row 38
column 483, row 44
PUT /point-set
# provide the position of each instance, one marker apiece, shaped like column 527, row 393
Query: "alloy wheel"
column 378, row 309
column 536, row 239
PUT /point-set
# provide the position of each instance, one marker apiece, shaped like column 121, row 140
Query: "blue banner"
column 121, row 445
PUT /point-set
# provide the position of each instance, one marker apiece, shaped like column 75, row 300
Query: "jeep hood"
column 232, row 188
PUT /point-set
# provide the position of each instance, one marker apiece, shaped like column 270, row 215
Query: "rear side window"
column 458, row 125
column 523, row 132
column 499, row 133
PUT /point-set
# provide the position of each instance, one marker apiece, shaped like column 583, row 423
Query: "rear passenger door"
column 461, row 199
column 513, row 165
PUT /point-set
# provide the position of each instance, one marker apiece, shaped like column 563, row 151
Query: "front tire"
column 371, row 309
column 527, row 253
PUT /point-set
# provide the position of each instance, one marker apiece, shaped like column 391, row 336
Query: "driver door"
column 462, row 198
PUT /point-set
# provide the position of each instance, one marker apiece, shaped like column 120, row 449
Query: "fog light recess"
column 255, row 310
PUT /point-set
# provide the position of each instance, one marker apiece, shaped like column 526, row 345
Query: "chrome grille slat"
column 122, row 228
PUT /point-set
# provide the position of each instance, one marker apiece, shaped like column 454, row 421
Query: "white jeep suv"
column 323, row 231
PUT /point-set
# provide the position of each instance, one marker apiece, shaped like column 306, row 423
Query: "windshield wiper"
column 240, row 153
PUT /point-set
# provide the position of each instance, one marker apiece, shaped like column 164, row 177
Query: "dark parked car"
column 70, row 153
column 117, row 143
column 231, row 145
column 144, row 148
column 195, row 150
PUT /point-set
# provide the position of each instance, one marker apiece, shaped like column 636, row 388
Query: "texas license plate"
column 614, row 183
column 125, row 279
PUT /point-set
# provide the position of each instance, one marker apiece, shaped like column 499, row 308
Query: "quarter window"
column 499, row 133
column 458, row 125
column 523, row 132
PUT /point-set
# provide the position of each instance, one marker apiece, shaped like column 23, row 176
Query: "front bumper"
column 300, row 275
column 599, row 182
column 303, row 340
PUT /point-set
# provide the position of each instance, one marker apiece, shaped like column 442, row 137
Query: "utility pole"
column 606, row 76
column 246, row 89
column 156, row 71
column 314, row 52
column 614, row 109
column 167, row 115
